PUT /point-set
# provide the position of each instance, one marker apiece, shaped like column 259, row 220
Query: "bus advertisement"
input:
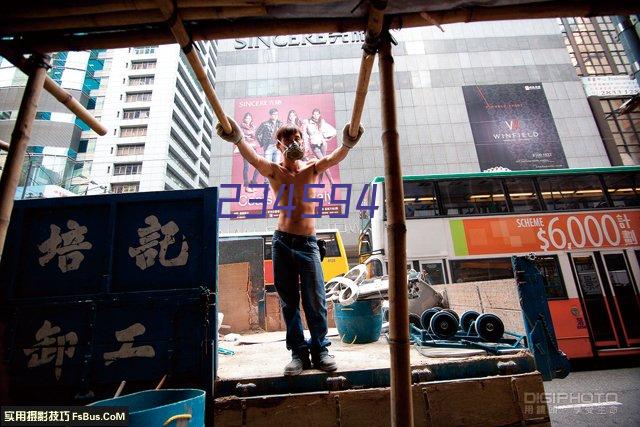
column 582, row 225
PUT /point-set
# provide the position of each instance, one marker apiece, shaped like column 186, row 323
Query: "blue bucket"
column 360, row 322
column 162, row 407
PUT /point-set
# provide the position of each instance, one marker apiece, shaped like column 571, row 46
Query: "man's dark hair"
column 273, row 111
column 286, row 131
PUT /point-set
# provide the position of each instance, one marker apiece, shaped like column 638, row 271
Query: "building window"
column 625, row 129
column 144, row 50
column 138, row 97
column 128, row 187
column 130, row 150
column 141, row 80
column 593, row 46
column 143, row 65
column 140, row 113
column 127, row 169
column 133, row 131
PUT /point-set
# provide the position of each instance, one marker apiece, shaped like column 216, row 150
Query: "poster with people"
column 513, row 127
column 259, row 119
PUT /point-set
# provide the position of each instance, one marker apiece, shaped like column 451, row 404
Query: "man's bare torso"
column 306, row 174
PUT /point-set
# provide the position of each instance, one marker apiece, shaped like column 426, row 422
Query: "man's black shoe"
column 324, row 362
column 297, row 364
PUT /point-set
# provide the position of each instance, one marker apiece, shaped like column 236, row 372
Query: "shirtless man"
column 295, row 253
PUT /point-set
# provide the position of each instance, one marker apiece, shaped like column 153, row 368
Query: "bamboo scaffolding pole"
column 58, row 41
column 183, row 38
column 19, row 141
column 399, row 346
column 60, row 94
column 4, row 145
column 374, row 26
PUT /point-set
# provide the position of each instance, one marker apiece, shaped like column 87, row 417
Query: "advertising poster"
column 546, row 233
column 513, row 127
column 259, row 119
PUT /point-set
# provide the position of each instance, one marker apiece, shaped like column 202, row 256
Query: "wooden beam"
column 399, row 344
column 184, row 40
column 213, row 30
column 26, row 10
column 19, row 141
column 60, row 94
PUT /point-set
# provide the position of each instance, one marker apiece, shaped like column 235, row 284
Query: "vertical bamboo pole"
column 20, row 140
column 374, row 26
column 401, row 402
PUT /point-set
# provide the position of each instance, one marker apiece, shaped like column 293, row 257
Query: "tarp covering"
column 78, row 24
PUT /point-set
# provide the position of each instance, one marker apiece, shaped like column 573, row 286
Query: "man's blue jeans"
column 298, row 273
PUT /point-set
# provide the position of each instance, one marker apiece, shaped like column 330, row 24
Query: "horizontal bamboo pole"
column 116, row 19
column 58, row 41
column 60, row 94
column 374, row 26
column 29, row 10
column 184, row 40
column 4, row 145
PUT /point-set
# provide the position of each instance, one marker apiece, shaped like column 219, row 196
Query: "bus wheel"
column 467, row 318
column 444, row 324
column 489, row 327
column 426, row 316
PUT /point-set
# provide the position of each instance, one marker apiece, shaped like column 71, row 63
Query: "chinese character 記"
column 66, row 246
column 127, row 350
column 146, row 253
column 51, row 345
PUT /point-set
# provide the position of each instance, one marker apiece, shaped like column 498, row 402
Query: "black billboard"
column 513, row 127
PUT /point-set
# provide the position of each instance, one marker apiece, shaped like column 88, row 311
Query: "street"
column 595, row 397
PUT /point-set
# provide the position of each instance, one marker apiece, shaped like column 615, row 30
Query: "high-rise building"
column 160, row 122
column 55, row 140
column 446, row 82
column 603, row 65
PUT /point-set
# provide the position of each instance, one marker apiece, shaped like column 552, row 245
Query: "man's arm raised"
column 261, row 164
column 341, row 152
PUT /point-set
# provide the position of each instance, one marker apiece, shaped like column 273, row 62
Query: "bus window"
column 333, row 251
column 431, row 272
column 549, row 267
column 563, row 193
column 472, row 197
column 419, row 199
column 623, row 188
column 374, row 268
column 267, row 247
column 476, row 270
column 523, row 195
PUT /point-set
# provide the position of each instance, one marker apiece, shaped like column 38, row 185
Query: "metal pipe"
column 605, row 131
column 374, row 26
column 184, row 39
column 60, row 94
column 20, row 140
column 401, row 398
column 26, row 179
column 630, row 42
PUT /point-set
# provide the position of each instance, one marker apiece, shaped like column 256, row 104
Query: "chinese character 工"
column 51, row 344
column 146, row 253
column 66, row 246
column 127, row 350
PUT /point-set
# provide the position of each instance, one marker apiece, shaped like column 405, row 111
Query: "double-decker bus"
column 583, row 225
column 334, row 263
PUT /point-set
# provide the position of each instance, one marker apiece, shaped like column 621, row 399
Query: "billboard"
column 513, row 127
column 259, row 119
column 545, row 233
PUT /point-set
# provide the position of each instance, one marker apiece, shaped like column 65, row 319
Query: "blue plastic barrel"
column 162, row 407
column 360, row 322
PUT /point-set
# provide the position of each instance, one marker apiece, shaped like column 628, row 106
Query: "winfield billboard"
column 513, row 127
column 259, row 119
